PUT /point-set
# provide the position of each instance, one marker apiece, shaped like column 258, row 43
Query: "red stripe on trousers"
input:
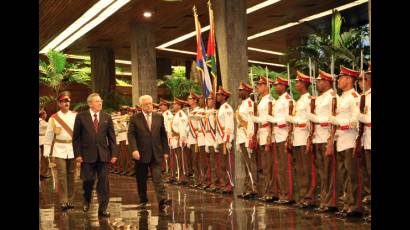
column 290, row 176
column 359, row 190
column 334, row 179
column 313, row 174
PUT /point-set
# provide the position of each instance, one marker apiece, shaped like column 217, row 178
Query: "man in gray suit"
column 148, row 141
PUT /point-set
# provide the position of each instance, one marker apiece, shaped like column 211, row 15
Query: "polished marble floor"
column 190, row 209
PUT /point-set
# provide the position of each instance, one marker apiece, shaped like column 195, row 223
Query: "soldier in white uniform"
column 365, row 118
column 178, row 141
column 196, row 140
column 225, row 127
column 60, row 131
column 168, row 116
column 325, row 165
column 123, row 161
column 244, row 140
column 303, row 161
column 280, row 134
column 210, row 142
column 42, row 127
column 346, row 120
column 264, row 138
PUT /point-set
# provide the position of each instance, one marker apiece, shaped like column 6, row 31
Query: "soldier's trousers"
column 303, row 174
column 195, row 160
column 351, row 163
column 171, row 164
column 284, row 172
column 327, row 168
column 180, row 164
column 65, row 179
column 44, row 167
column 205, row 166
column 268, row 171
column 249, row 162
column 213, row 166
column 366, row 171
column 226, row 173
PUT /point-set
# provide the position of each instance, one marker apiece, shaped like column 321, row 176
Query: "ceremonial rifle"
column 312, row 110
column 289, row 140
column 358, row 146
column 331, row 139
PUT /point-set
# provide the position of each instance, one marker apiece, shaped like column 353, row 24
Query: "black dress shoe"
column 70, row 205
column 86, row 206
column 354, row 214
column 64, row 207
column 103, row 214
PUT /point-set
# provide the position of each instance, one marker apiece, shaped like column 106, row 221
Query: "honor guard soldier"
column 365, row 119
column 303, row 161
column 211, row 143
column 264, row 137
column 122, row 140
column 225, row 127
column 346, row 121
column 280, row 134
column 178, row 140
column 244, row 138
column 42, row 127
column 196, row 139
column 325, row 165
column 168, row 116
column 58, row 145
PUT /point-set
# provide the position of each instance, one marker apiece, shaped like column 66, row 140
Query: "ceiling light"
column 177, row 51
column 206, row 28
column 266, row 63
column 147, row 14
column 81, row 57
column 100, row 18
column 265, row 51
column 87, row 16
column 260, row 6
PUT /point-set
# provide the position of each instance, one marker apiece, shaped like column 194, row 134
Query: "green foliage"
column 58, row 73
column 45, row 100
column 120, row 82
column 179, row 85
column 319, row 46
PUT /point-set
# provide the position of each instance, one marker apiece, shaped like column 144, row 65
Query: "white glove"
column 229, row 146
column 363, row 118
column 312, row 117
column 333, row 120
column 290, row 119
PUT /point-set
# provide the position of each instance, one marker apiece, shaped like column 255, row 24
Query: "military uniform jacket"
column 366, row 119
column 121, row 128
column 178, row 129
column 347, row 118
column 225, row 124
column 210, row 128
column 54, row 128
column 300, row 121
column 280, row 111
column 262, row 118
column 196, row 131
column 168, row 116
column 245, row 125
column 42, row 127
column 323, row 110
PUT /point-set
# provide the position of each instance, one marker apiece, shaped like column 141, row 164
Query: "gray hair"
column 90, row 97
column 144, row 97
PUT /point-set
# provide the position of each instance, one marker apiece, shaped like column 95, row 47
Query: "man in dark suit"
column 148, row 141
column 94, row 146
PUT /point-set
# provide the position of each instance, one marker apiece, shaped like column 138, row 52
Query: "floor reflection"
column 190, row 209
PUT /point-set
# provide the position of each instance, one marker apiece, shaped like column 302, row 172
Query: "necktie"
column 95, row 122
column 149, row 121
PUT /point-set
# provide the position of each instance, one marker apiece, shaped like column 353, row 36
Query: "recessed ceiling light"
column 147, row 14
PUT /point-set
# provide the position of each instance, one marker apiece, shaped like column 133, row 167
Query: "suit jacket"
column 148, row 143
column 87, row 143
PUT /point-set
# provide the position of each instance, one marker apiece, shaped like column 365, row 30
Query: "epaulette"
column 310, row 97
column 333, row 93
column 354, row 94
column 54, row 115
column 250, row 103
column 226, row 107
column 180, row 114
column 287, row 96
